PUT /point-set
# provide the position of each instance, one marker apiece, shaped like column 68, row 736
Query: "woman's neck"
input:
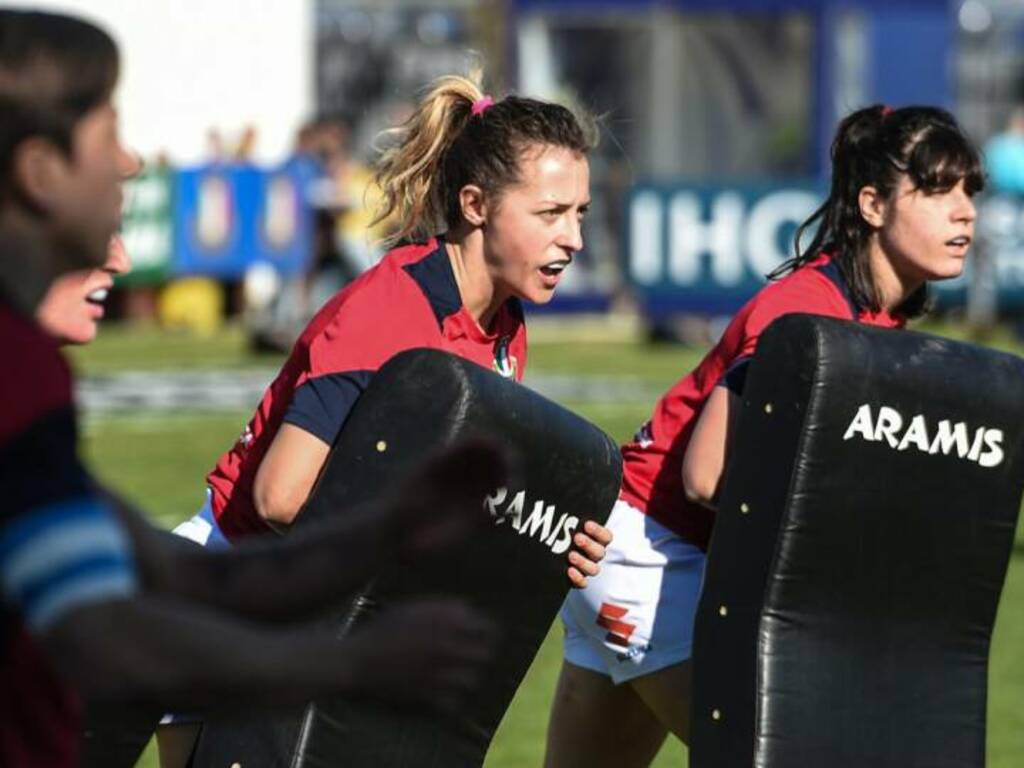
column 480, row 294
column 892, row 287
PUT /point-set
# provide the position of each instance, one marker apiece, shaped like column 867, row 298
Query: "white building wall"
column 189, row 66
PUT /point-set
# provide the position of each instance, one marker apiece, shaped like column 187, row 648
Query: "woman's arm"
column 287, row 473
column 293, row 462
column 148, row 649
column 273, row 578
column 708, row 451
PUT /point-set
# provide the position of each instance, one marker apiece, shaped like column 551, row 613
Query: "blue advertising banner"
column 209, row 203
column 226, row 217
column 282, row 232
column 705, row 249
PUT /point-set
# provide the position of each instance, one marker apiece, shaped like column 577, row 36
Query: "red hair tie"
column 886, row 111
column 480, row 105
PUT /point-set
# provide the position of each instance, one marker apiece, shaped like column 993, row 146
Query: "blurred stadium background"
column 257, row 122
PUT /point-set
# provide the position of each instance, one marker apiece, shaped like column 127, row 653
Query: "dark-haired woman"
column 899, row 214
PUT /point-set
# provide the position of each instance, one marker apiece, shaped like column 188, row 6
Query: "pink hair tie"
column 481, row 105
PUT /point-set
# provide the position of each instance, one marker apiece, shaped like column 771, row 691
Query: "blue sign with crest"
column 227, row 217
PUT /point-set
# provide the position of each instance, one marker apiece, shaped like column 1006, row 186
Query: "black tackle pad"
column 514, row 570
column 861, row 544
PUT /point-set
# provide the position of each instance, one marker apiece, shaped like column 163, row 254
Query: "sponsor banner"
column 147, row 226
column 706, row 249
column 282, row 232
column 229, row 217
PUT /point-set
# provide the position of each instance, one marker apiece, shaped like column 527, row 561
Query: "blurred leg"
column 595, row 723
column 176, row 742
column 667, row 694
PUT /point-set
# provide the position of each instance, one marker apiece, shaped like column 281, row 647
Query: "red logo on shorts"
column 610, row 618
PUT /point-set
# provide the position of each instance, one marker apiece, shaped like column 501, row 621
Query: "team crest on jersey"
column 643, row 437
column 505, row 363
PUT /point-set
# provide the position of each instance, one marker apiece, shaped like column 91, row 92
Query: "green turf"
column 147, row 347
column 159, row 462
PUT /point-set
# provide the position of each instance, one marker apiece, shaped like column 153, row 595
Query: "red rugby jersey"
column 410, row 299
column 653, row 462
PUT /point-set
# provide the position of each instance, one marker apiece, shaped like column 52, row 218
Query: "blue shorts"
column 636, row 616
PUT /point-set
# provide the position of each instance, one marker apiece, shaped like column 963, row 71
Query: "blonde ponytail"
column 409, row 172
column 457, row 136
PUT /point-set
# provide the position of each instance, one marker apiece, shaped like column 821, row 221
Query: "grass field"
column 159, row 460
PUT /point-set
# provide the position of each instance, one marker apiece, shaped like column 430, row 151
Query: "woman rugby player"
column 899, row 213
column 508, row 183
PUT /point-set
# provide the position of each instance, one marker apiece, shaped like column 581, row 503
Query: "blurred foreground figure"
column 74, row 305
column 97, row 603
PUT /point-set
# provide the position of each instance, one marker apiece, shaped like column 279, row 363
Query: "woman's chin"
column 950, row 270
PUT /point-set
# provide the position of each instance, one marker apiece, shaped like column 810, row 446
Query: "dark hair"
column 53, row 70
column 446, row 144
column 874, row 147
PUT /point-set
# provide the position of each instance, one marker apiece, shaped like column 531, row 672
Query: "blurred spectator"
column 1004, row 156
column 215, row 146
column 246, row 146
column 343, row 244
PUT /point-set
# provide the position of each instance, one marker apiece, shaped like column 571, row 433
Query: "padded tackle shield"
column 513, row 571
column 860, row 548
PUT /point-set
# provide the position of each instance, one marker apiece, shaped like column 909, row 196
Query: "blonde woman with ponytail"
column 487, row 198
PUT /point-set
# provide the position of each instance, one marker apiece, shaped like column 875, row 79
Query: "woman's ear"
column 872, row 206
column 38, row 171
column 473, row 205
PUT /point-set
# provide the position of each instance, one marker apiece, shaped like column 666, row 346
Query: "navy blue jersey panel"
column 735, row 377
column 833, row 273
column 433, row 273
column 321, row 405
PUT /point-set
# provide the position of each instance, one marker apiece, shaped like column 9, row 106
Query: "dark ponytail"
column 874, row 147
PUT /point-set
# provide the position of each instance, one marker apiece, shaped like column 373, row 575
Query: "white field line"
column 180, row 393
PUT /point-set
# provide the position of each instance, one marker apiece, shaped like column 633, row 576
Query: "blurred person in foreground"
column 75, row 303
column 98, row 604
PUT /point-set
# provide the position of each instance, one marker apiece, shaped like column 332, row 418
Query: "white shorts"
column 636, row 616
column 202, row 527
